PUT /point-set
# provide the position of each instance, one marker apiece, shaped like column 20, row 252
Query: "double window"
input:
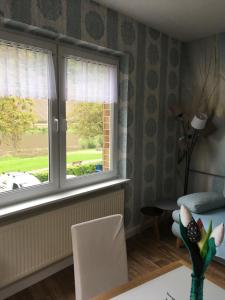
column 57, row 118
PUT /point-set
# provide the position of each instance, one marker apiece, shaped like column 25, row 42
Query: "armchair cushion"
column 176, row 216
column 202, row 202
column 176, row 230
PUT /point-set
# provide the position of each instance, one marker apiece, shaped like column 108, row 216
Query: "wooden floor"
column 144, row 255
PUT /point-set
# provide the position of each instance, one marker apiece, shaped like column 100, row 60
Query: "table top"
column 170, row 282
column 169, row 205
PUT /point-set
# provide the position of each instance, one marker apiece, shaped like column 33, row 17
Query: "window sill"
column 15, row 209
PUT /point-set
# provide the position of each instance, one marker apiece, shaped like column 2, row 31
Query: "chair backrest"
column 100, row 258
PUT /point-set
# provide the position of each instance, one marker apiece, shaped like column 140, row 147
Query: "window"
column 51, row 142
column 90, row 92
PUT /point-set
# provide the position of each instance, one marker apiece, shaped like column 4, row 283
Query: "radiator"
column 36, row 242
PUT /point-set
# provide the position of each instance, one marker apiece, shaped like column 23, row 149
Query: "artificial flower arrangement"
column 202, row 247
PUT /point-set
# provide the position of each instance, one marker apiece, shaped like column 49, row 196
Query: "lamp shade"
column 199, row 121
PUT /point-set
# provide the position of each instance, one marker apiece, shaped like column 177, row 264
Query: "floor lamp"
column 198, row 123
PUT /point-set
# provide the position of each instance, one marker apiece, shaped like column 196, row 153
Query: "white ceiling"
column 185, row 20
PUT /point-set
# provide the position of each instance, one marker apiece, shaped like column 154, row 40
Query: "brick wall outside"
column 106, row 136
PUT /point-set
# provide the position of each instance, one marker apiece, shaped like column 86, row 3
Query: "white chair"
column 99, row 254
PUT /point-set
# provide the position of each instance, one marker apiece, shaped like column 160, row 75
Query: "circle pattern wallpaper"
column 169, row 164
column 149, row 195
column 152, row 79
column 128, row 32
column 129, row 190
column 154, row 34
column 127, row 216
column 174, row 57
column 168, row 185
column 170, row 144
column 172, row 100
column 151, row 104
column 51, row 9
column 22, row 15
column 129, row 143
column 94, row 25
column 171, row 123
column 150, row 150
column 149, row 173
column 153, row 54
column 173, row 81
column 150, row 127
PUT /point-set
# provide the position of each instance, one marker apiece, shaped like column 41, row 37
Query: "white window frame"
column 57, row 113
column 24, row 194
column 68, row 183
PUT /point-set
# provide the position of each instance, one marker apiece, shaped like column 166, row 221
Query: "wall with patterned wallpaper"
column 209, row 155
column 149, row 83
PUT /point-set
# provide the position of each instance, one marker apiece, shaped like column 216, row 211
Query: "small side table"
column 167, row 205
column 154, row 212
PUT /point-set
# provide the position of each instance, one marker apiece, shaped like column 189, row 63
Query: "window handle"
column 56, row 124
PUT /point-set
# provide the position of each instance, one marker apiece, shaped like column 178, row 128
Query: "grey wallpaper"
column 149, row 82
column 209, row 155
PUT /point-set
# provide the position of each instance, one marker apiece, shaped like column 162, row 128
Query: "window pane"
column 24, row 130
column 88, row 138
column 91, row 90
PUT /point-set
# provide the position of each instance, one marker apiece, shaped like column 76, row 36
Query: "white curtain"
column 26, row 72
column 90, row 81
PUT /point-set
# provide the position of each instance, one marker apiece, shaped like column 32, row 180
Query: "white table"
column 174, row 285
column 172, row 282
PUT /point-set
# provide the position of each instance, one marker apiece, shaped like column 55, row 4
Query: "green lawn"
column 10, row 164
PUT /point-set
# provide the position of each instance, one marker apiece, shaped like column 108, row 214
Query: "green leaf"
column 210, row 253
column 204, row 245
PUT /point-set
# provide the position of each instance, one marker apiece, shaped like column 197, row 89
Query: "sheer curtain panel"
column 90, row 81
column 26, row 72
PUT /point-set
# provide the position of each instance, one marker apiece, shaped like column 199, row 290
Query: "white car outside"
column 17, row 180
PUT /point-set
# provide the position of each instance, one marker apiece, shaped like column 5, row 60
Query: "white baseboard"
column 52, row 269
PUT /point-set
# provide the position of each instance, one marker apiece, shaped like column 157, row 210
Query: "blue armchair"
column 207, row 206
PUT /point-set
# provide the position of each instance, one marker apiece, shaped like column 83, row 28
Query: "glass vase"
column 197, row 287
